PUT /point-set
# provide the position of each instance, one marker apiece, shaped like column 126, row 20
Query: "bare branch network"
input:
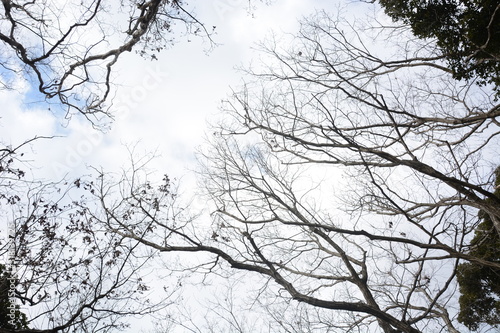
column 67, row 49
column 345, row 181
column 351, row 182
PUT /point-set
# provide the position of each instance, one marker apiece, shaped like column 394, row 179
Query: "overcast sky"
column 161, row 105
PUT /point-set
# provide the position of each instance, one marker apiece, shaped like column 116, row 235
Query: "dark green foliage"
column 467, row 32
column 480, row 285
column 10, row 315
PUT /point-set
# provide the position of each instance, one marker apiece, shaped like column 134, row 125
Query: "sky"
column 164, row 106
column 161, row 105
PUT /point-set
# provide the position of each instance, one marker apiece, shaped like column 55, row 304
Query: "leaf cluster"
column 480, row 285
column 466, row 31
column 11, row 316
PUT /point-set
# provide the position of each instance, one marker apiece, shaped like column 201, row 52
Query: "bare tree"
column 420, row 150
column 67, row 49
column 346, row 179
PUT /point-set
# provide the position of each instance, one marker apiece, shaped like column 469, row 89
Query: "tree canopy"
column 466, row 32
column 10, row 315
column 479, row 286
column 341, row 184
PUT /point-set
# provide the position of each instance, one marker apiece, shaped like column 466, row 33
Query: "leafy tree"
column 467, row 33
column 10, row 315
column 480, row 285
